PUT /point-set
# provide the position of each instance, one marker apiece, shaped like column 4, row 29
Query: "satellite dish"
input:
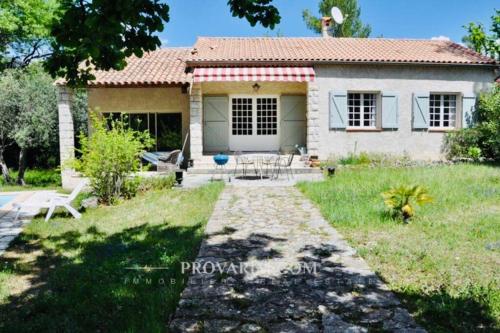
column 337, row 15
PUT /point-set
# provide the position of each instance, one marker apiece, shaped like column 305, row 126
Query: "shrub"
column 457, row 144
column 485, row 134
column 401, row 200
column 157, row 183
column 39, row 177
column 474, row 153
column 374, row 159
column 110, row 155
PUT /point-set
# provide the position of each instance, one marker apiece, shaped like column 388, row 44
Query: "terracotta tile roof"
column 320, row 49
column 160, row 67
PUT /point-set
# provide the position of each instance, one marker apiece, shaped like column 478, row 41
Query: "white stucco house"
column 331, row 95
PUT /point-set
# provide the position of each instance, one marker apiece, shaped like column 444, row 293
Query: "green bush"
column 135, row 185
column 110, row 155
column 474, row 153
column 485, row 134
column 458, row 143
column 353, row 159
column 39, row 177
column 157, row 183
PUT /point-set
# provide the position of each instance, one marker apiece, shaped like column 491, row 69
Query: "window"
column 254, row 116
column 442, row 110
column 267, row 116
column 242, row 122
column 362, row 109
column 164, row 128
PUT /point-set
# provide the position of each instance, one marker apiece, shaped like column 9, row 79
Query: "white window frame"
column 452, row 117
column 243, row 142
column 376, row 105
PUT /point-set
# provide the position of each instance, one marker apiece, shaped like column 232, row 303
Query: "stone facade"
column 66, row 136
column 196, row 121
column 313, row 113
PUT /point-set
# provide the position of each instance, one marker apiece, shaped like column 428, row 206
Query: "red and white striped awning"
column 277, row 74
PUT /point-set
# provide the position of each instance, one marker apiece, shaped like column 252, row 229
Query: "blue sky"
column 388, row 18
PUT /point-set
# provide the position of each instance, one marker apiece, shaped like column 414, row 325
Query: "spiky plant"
column 402, row 200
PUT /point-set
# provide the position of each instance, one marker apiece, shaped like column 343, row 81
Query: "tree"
column 94, row 34
column 8, row 114
column 352, row 26
column 480, row 41
column 28, row 97
column 25, row 31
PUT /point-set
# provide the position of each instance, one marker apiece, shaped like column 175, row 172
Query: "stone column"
column 66, row 136
column 195, row 122
column 313, row 128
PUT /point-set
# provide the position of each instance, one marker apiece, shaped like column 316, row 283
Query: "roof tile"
column 320, row 49
column 162, row 66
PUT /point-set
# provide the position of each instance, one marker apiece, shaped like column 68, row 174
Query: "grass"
column 80, row 275
column 35, row 179
column 439, row 264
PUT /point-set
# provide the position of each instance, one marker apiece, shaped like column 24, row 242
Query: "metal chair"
column 269, row 162
column 286, row 164
column 244, row 162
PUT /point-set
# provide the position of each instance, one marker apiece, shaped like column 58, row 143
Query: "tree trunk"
column 5, row 170
column 22, row 167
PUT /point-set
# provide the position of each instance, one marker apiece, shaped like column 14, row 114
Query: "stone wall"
column 195, row 124
column 66, row 136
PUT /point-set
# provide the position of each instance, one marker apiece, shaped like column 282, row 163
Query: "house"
column 331, row 95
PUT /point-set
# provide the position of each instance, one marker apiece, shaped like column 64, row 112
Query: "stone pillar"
column 313, row 128
column 66, row 136
column 195, row 122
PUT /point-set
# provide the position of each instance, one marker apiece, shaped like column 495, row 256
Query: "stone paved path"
column 271, row 263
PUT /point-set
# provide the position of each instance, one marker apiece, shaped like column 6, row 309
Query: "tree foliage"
column 97, row 34
column 256, row 11
column 34, row 104
column 352, row 25
column 482, row 42
column 25, row 31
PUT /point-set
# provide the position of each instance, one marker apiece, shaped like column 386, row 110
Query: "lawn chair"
column 51, row 201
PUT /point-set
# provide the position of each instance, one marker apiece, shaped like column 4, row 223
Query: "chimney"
column 326, row 26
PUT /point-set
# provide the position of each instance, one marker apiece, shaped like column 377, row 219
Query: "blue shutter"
column 390, row 110
column 421, row 110
column 338, row 109
column 468, row 108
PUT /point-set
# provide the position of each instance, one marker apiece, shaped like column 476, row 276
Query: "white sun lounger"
column 51, row 201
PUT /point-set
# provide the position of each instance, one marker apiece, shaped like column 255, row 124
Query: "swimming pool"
column 5, row 198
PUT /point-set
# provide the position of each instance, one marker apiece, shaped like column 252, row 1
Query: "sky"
column 422, row 19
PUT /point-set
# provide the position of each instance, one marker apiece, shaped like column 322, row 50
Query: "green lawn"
column 74, row 275
column 438, row 264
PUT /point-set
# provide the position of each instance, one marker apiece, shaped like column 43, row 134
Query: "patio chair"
column 270, row 163
column 51, row 201
column 285, row 164
column 244, row 162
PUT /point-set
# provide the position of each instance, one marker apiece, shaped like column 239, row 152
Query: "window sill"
column 361, row 129
column 442, row 129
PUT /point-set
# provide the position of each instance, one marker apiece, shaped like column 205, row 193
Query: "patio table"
column 260, row 159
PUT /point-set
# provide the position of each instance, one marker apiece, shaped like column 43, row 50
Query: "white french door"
column 254, row 123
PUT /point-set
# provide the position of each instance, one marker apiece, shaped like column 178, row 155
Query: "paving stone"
column 284, row 269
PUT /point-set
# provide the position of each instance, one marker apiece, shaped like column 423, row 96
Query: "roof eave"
column 217, row 63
